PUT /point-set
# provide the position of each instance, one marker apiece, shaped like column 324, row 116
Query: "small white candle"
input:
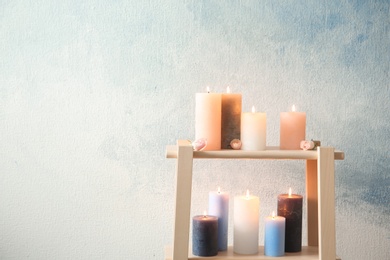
column 246, row 224
column 253, row 130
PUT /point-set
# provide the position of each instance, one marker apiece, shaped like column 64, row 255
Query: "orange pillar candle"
column 292, row 129
column 208, row 119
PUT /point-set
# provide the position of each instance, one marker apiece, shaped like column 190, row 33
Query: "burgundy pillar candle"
column 230, row 118
column 204, row 235
column 290, row 207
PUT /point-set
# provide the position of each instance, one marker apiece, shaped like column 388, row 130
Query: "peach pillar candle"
column 253, row 130
column 292, row 129
column 208, row 119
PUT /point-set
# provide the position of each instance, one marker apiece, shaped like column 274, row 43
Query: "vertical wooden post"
column 183, row 199
column 326, row 204
column 312, row 202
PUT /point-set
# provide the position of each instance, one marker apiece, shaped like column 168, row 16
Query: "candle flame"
column 293, row 108
column 247, row 194
column 253, row 109
column 228, row 90
column 219, row 189
column 273, row 214
column 208, row 89
column 289, row 192
column 204, row 213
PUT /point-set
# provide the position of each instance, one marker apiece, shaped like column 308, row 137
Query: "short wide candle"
column 246, row 224
column 208, row 119
column 292, row 129
column 219, row 207
column 290, row 207
column 204, row 235
column 275, row 227
column 253, row 130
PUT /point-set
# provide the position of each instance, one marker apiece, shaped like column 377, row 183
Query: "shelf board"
column 307, row 253
column 271, row 152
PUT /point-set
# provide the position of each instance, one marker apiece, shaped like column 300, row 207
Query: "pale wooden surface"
column 272, row 152
column 326, row 204
column 183, row 200
column 312, row 202
column 319, row 192
column 307, row 253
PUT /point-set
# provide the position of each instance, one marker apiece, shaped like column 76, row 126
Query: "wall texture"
column 91, row 92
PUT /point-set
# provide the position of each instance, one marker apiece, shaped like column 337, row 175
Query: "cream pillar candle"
column 231, row 118
column 253, row 130
column 292, row 129
column 208, row 119
column 246, row 224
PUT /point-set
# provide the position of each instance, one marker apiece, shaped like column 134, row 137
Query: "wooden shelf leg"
column 326, row 204
column 312, row 202
column 183, row 199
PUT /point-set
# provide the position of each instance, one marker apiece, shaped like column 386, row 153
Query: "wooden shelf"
column 272, row 152
column 307, row 253
column 320, row 198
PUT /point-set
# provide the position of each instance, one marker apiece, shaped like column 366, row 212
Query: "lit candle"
column 253, row 130
column 204, row 235
column 246, row 224
column 219, row 207
column 290, row 207
column 231, row 118
column 274, row 235
column 292, row 129
column 208, row 119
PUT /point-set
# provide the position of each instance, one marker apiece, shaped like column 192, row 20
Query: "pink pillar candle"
column 292, row 129
column 208, row 119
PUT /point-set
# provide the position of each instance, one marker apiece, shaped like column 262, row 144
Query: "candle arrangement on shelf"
column 219, row 121
column 283, row 233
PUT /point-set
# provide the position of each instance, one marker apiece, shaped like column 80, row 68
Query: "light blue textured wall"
column 91, row 92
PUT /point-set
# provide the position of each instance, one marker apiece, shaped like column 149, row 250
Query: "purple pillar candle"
column 219, row 207
column 205, row 235
column 290, row 207
column 230, row 118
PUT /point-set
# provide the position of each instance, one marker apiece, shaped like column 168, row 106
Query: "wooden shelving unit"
column 320, row 196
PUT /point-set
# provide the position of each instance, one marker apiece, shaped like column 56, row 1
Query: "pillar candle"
column 246, row 224
column 292, row 129
column 219, row 207
column 275, row 227
column 253, row 130
column 208, row 119
column 290, row 207
column 231, row 118
column 204, row 235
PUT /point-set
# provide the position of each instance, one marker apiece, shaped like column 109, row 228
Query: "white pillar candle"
column 208, row 119
column 292, row 129
column 253, row 130
column 246, row 224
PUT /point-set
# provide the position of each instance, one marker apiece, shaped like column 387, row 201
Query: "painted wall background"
column 91, row 92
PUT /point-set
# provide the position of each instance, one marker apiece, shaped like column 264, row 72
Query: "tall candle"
column 246, row 224
column 253, row 130
column 290, row 207
column 292, row 129
column 204, row 235
column 219, row 207
column 231, row 118
column 275, row 227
